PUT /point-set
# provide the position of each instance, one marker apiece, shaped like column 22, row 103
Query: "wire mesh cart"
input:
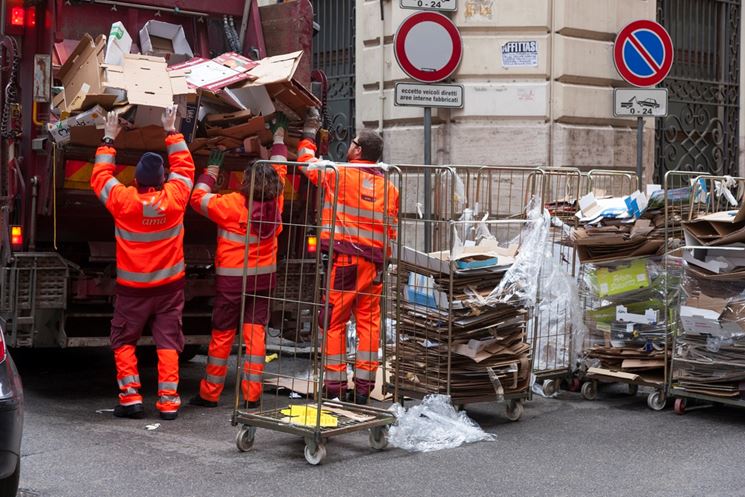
column 312, row 414
column 453, row 335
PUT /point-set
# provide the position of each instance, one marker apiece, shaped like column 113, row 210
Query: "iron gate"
column 701, row 130
column 333, row 53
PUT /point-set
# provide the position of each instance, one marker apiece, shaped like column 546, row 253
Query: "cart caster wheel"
column 379, row 437
column 575, row 384
column 550, row 387
column 590, row 390
column 680, row 406
column 656, row 401
column 633, row 389
column 514, row 410
column 244, row 440
column 315, row 457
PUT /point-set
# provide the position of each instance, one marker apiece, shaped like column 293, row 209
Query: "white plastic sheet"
column 434, row 425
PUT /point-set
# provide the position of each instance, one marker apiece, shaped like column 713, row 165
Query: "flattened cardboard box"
column 149, row 86
column 719, row 228
column 213, row 75
column 82, row 77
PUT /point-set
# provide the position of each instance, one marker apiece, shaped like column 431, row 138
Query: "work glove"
column 312, row 122
column 214, row 163
column 279, row 127
column 169, row 118
column 111, row 126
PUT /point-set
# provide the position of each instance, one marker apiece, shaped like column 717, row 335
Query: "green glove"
column 280, row 122
column 216, row 158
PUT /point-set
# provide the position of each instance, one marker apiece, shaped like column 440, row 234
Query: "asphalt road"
column 614, row 446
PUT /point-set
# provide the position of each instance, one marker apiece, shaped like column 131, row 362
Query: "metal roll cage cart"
column 308, row 418
column 705, row 198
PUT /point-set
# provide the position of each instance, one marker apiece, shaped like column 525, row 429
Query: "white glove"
column 213, row 171
column 111, row 126
column 312, row 121
column 169, row 118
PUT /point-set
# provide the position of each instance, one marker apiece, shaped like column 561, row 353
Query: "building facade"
column 553, row 108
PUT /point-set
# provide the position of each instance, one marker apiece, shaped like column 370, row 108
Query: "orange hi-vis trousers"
column 355, row 288
column 218, row 353
column 128, row 378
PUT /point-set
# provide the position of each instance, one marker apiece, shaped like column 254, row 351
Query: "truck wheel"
column 9, row 485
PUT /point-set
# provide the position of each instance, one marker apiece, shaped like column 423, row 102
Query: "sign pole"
column 640, row 150
column 427, row 179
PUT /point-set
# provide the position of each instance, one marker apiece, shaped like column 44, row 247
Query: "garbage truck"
column 57, row 251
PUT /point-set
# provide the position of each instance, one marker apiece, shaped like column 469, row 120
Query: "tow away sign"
column 640, row 102
column 421, row 95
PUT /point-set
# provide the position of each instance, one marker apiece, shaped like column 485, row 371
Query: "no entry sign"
column 643, row 53
column 428, row 47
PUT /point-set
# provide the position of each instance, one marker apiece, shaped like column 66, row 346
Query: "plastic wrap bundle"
column 434, row 425
column 709, row 353
column 625, row 310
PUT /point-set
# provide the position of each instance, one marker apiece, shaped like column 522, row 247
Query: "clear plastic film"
column 434, row 425
column 709, row 352
column 626, row 311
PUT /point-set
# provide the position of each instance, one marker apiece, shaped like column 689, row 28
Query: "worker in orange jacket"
column 365, row 223
column 236, row 213
column 149, row 232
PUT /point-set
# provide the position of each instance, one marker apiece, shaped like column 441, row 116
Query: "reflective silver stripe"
column 236, row 237
column 205, row 202
column 354, row 211
column 123, row 382
column 106, row 190
column 364, row 374
column 252, row 271
column 130, row 391
column 335, row 359
column 179, row 146
column 105, row 159
column 180, row 177
column 216, row 361
column 367, row 356
column 161, row 274
column 204, row 187
column 278, row 158
column 168, row 385
column 305, row 151
column 254, row 359
column 170, row 398
column 335, row 375
column 153, row 236
column 131, row 403
column 210, row 378
column 252, row 377
column 356, row 232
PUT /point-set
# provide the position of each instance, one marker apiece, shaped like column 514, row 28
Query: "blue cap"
column 149, row 171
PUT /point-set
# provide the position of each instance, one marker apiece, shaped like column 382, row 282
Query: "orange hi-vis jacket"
column 149, row 225
column 366, row 216
column 233, row 219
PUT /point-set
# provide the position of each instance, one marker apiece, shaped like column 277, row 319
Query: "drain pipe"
column 552, row 58
column 381, row 80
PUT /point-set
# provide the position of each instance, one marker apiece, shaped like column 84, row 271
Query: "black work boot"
column 168, row 416
column 252, row 404
column 133, row 411
column 356, row 398
column 198, row 401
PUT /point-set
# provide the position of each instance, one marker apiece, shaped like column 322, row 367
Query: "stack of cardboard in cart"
column 709, row 357
column 625, row 316
column 615, row 227
column 441, row 322
column 224, row 102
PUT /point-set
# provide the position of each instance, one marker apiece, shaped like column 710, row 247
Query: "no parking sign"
column 643, row 53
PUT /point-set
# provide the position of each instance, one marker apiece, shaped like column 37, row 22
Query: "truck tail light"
column 2, row 346
column 31, row 17
column 311, row 244
column 18, row 17
column 16, row 237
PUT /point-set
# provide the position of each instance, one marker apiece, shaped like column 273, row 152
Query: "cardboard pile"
column 709, row 357
column 625, row 316
column 617, row 227
column 717, row 229
column 487, row 350
column 223, row 102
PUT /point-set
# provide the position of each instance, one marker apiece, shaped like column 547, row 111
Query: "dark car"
column 11, row 421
